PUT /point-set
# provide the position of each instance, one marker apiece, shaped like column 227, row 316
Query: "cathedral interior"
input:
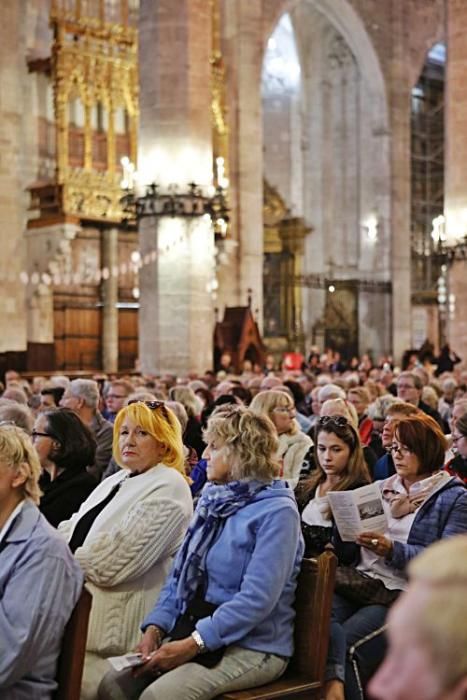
column 165, row 162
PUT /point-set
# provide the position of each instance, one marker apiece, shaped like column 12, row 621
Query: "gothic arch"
column 349, row 24
column 363, row 197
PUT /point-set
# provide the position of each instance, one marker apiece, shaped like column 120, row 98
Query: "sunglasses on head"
column 340, row 421
column 153, row 405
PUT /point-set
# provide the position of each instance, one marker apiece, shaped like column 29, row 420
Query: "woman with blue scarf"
column 224, row 618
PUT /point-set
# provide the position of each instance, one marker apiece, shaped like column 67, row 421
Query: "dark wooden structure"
column 239, row 336
column 305, row 674
column 71, row 661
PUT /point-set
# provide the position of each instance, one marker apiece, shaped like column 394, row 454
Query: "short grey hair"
column 330, row 391
column 17, row 413
column 86, row 389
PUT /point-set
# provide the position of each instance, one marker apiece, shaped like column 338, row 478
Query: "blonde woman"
column 224, row 619
column 126, row 533
column 293, row 444
column 40, row 581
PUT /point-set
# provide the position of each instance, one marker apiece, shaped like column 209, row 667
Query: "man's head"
column 427, row 656
column 50, row 397
column 458, row 410
column 396, row 411
column 81, row 396
column 409, row 387
column 330, row 391
column 117, row 394
column 359, row 398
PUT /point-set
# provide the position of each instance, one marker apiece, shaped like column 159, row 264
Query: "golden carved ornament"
column 95, row 66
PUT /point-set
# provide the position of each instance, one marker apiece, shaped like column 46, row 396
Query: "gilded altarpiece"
column 284, row 237
column 75, row 209
column 95, row 72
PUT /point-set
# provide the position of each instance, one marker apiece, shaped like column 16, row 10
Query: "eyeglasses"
column 115, row 396
column 153, row 405
column 35, row 434
column 456, row 438
column 406, row 386
column 340, row 421
column 402, row 449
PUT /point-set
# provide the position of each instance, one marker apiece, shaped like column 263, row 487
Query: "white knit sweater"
column 128, row 552
column 291, row 452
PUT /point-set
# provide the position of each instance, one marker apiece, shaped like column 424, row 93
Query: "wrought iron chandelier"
column 171, row 201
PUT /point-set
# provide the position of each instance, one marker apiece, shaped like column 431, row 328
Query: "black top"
column 64, row 495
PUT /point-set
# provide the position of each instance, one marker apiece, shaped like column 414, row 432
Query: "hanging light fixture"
column 158, row 201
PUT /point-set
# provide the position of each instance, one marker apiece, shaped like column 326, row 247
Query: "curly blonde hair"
column 159, row 422
column 250, row 440
column 18, row 453
column 265, row 402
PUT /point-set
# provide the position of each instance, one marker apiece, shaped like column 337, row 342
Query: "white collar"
column 6, row 527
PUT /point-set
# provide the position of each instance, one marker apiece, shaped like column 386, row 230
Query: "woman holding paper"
column 341, row 467
column 423, row 504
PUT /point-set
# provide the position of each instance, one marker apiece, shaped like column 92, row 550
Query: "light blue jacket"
column 252, row 573
column 40, row 583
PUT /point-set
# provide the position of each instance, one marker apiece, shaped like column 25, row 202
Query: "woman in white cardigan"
column 279, row 406
column 126, row 533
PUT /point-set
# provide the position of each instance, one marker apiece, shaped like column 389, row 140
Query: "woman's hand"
column 377, row 543
column 151, row 641
column 169, row 656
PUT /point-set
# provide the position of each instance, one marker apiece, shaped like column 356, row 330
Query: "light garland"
column 135, row 263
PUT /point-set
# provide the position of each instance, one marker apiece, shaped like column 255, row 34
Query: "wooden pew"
column 71, row 660
column 305, row 674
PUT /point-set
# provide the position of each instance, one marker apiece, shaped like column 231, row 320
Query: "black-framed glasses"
column 340, row 421
column 37, row 433
column 403, row 450
column 153, row 405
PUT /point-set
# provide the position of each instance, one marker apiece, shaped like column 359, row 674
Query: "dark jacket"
column 192, row 437
column 384, row 467
column 435, row 415
column 64, row 495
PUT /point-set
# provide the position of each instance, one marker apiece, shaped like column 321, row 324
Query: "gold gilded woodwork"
column 218, row 95
column 95, row 62
column 284, row 238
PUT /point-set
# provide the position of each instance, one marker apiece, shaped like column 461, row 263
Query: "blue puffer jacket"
column 443, row 514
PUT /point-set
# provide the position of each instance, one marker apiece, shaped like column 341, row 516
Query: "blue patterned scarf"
column 217, row 502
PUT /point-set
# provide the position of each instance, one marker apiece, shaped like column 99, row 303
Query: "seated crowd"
column 186, row 505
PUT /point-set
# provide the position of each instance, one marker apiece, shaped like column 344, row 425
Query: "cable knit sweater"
column 291, row 453
column 128, row 551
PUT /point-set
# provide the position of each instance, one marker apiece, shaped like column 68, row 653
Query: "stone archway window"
column 281, row 67
column 427, row 168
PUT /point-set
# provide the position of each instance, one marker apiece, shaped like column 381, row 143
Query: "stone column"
column 13, row 202
column 109, row 300
column 175, row 146
column 400, row 181
column 455, row 198
column 244, row 51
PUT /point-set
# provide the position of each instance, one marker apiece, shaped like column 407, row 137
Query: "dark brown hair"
column 423, row 436
column 356, row 472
